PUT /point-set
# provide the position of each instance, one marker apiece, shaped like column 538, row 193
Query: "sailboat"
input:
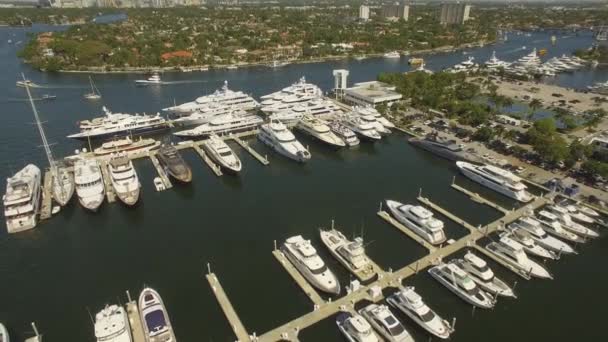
column 94, row 94
column 63, row 179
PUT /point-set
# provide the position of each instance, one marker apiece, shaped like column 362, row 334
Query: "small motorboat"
column 154, row 317
column 153, row 79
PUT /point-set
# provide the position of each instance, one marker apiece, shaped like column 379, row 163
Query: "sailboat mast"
column 47, row 149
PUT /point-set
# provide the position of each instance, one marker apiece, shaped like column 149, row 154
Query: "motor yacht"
column 299, row 93
column 584, row 210
column 419, row 219
column 222, row 154
column 385, row 323
column 112, row 325
column 276, row 135
column 530, row 60
column 494, row 63
column 565, row 219
column 392, row 54
column 173, row 163
column 464, row 66
column 26, row 83
column 154, row 317
column 346, row 134
column 599, row 88
column 124, row 179
column 305, row 259
column 371, row 120
column 497, row 179
column 482, row 274
column 127, row 145
column 320, row 130
column 461, row 284
column 355, row 328
column 530, row 246
column 223, row 124
column 411, row 304
column 90, row 188
column 63, row 183
column 319, row 108
column 153, row 79
column 4, row 337
column 512, row 252
column 552, row 225
column 119, row 124
column 540, row 236
column 569, row 61
column 22, row 199
column 443, row 147
column 369, row 110
column 351, row 254
column 577, row 215
column 363, row 129
column 222, row 101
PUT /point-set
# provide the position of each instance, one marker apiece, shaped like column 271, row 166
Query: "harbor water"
column 79, row 261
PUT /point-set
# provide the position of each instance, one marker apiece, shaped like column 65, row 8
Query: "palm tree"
column 534, row 105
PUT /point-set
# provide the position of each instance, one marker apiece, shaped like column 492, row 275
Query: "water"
column 79, row 260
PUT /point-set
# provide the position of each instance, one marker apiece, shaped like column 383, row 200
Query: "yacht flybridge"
column 365, row 130
column 461, row 284
column 483, row 275
column 346, row 134
column 512, row 252
column 530, row 246
column 277, row 136
column 411, row 304
column 419, row 219
column 497, row 179
column 550, row 223
column 567, row 223
column 124, row 179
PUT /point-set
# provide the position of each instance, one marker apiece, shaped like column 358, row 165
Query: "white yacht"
column 223, row 124
column 483, row 275
column 569, row 61
column 320, row 108
column 599, row 88
column 63, row 184
column 276, row 135
column 124, row 178
column 355, row 328
column 558, row 65
column 497, row 179
column 305, row 259
column 529, row 244
column 127, row 145
column 117, row 124
column 385, row 323
column 221, row 101
column 222, row 154
column 551, row 225
column 577, row 214
column 538, row 234
column 411, row 304
column 89, row 183
column 351, row 254
column 298, row 93
column 153, row 79
column 364, row 130
column 467, row 65
column 584, row 210
column 154, row 317
column 369, row 110
column 346, row 134
column 22, row 199
column 512, row 252
column 530, row 60
column 565, row 219
column 419, row 219
column 461, row 284
column 112, row 325
column 494, row 63
column 392, row 54
column 371, row 120
column 319, row 129
column 4, row 334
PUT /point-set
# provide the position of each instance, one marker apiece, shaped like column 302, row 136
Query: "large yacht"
column 443, row 147
column 483, row 275
column 319, row 129
column 118, row 124
column 223, row 124
column 494, row 63
column 550, row 223
column 124, row 179
column 112, row 325
column 174, row 164
column 392, row 54
column 461, row 284
column 126, row 144
column 221, row 101
column 355, row 328
column 276, row 135
column 363, row 129
column 346, row 134
column 565, row 219
column 222, row 154
column 465, row 66
column 497, row 179
column 530, row 60
column 419, row 219
column 578, row 215
column 529, row 244
column 351, row 254
column 22, row 199
column 305, row 259
column 198, row 118
column 512, row 252
column 154, row 317
column 540, row 236
column 385, row 323
column 369, row 110
column 300, row 92
column 89, row 183
column 321, row 108
column 371, row 120
column 410, row 303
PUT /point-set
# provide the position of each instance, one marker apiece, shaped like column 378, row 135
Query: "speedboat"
column 392, row 54
column 305, row 259
column 219, row 151
column 530, row 246
column 419, row 219
column 355, row 328
column 346, row 134
column 482, row 274
column 22, row 199
column 153, row 79
column 411, row 304
column 124, row 179
column 551, row 225
column 564, row 218
column 578, row 215
column 276, row 135
column 461, row 284
column 89, row 183
column 540, row 236
column 385, row 323
column 319, row 129
column 26, row 83
column 351, row 254
column 363, row 129
column 154, row 317
column 119, row 124
column 497, row 179
column 3, row 334
column 112, row 325
column 63, row 184
column 512, row 252
column 174, row 164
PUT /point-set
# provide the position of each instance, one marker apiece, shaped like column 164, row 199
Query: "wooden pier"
column 479, row 199
column 106, row 181
column 213, row 166
column 161, row 172
column 447, row 214
column 249, row 149
column 47, row 196
column 235, row 322
column 388, row 218
column 137, row 329
column 299, row 279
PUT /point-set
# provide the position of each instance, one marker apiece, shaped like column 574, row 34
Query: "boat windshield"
column 427, row 316
column 319, row 270
column 155, row 321
column 225, row 153
column 393, row 326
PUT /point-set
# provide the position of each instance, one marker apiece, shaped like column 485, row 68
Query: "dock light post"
column 453, row 180
column 129, row 296
column 453, row 326
column 420, row 192
column 208, row 268
column 473, row 311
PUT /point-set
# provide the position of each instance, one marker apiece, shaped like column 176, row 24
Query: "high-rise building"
column 340, row 77
column 395, row 12
column 454, row 13
column 364, row 12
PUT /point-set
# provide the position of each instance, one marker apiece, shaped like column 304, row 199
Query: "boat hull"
column 299, row 157
column 219, row 160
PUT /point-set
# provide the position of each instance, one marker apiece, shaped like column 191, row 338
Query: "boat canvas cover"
column 155, row 321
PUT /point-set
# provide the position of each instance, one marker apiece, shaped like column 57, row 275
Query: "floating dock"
column 299, row 279
column 213, row 166
column 388, row 218
column 47, row 196
column 137, row 329
column 446, row 213
column 475, row 197
column 235, row 322
column 249, row 149
column 107, row 182
column 161, row 172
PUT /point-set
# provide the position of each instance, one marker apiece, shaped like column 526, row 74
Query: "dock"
column 213, row 166
column 137, row 329
column 479, row 199
column 512, row 268
column 161, row 172
column 388, row 218
column 446, row 213
column 111, row 196
column 246, row 147
column 229, row 312
column 47, row 196
column 299, row 279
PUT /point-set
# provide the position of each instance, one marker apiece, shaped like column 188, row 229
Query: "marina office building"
column 371, row 93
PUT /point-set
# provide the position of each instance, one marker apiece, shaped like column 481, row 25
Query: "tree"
column 484, row 134
column 534, row 105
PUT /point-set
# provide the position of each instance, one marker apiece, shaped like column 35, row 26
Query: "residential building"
column 395, row 12
column 364, row 12
column 454, row 13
